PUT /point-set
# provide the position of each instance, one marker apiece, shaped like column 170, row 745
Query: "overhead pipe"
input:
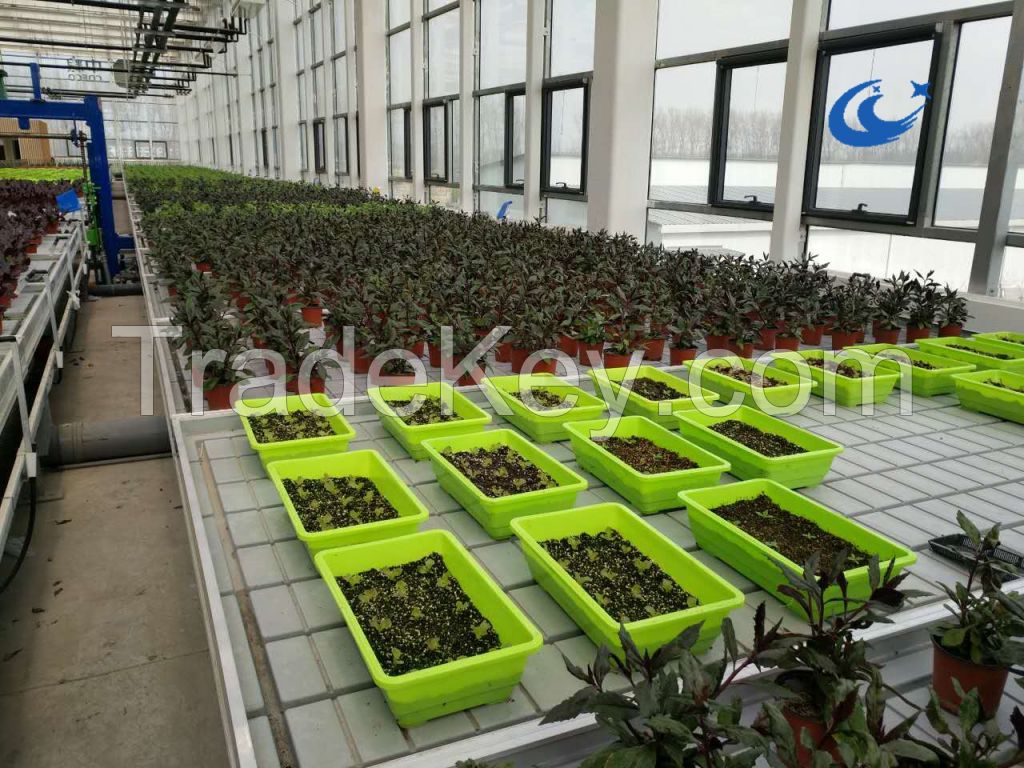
column 100, row 46
column 121, row 5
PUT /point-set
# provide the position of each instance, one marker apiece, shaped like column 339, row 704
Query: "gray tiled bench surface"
column 902, row 475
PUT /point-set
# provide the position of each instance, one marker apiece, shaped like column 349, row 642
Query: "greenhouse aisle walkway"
column 103, row 656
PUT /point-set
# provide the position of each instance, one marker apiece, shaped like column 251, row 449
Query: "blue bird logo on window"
column 873, row 131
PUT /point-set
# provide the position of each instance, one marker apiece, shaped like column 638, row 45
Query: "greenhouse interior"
column 511, row 383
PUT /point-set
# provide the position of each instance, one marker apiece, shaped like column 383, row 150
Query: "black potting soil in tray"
column 840, row 369
column 499, row 471
column 327, row 503
column 656, row 390
column 795, row 538
column 430, row 410
column 765, row 443
column 623, row 581
column 740, row 373
column 542, row 400
column 645, row 456
column 994, row 355
column 916, row 363
column 1010, row 387
column 397, row 367
column 277, row 427
column 417, row 615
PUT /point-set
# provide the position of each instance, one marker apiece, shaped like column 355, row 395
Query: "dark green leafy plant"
column 952, row 308
column 969, row 741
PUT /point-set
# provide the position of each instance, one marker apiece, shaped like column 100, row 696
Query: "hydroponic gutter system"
column 903, row 645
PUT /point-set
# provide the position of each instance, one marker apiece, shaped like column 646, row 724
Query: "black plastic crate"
column 957, row 547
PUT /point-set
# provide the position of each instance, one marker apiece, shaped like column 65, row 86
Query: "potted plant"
column 972, row 740
column 536, row 330
column 924, row 305
column 952, row 313
column 978, row 647
column 891, row 304
column 852, row 311
column 288, row 335
column 590, row 337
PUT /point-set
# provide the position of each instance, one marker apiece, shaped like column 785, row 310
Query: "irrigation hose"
column 28, row 535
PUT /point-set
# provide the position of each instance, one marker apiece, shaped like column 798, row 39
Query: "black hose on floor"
column 28, row 535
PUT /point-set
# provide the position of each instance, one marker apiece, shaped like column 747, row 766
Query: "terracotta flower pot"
column 876, row 326
column 471, row 377
column 787, row 342
column 588, row 354
column 678, row 356
column 886, row 335
column 434, row 354
column 988, row 680
column 616, row 360
column 315, row 386
column 313, row 315
column 381, row 380
column 567, row 344
column 859, row 336
column 172, row 291
column 33, row 248
column 811, row 335
column 204, row 266
column 518, row 360
column 767, row 340
column 913, row 334
column 716, row 341
column 503, row 352
column 218, row 398
column 816, row 730
column 654, row 349
column 843, row 339
column 418, row 348
column 950, row 331
column 746, row 350
column 360, row 362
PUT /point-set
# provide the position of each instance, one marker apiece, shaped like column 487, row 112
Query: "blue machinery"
column 88, row 111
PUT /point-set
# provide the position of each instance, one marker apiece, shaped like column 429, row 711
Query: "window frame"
column 320, row 147
column 550, row 87
column 406, row 110
column 428, row 106
column 510, row 119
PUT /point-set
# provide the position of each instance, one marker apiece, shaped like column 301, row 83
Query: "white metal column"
column 416, row 113
column 287, row 87
column 352, row 65
column 787, row 239
column 467, row 103
column 371, row 45
column 1005, row 159
column 621, row 104
column 536, row 36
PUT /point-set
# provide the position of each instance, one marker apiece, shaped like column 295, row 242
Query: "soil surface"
column 645, row 456
column 622, row 580
column 500, row 471
column 1011, row 339
column 278, row 428
column 1010, row 387
column 916, row 363
column 431, row 410
column 397, row 367
column 740, row 373
column 417, row 615
column 994, row 355
column 541, row 400
column 845, row 370
column 765, row 443
column 656, row 390
column 795, row 538
column 329, row 503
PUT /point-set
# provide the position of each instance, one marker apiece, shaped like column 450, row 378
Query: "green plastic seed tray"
column 753, row 558
column 426, row 694
column 796, row 471
column 794, row 389
column 846, row 391
column 923, row 381
column 496, row 514
column 544, row 425
column 649, row 493
column 655, row 410
column 1003, row 337
column 295, row 449
column 974, row 346
column 716, row 596
column 367, row 464
column 981, row 392
column 472, row 419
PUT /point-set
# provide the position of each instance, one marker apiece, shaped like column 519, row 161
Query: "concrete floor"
column 103, row 655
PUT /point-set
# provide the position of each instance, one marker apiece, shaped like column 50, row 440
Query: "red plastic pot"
column 313, row 315
column 360, row 362
column 473, row 376
column 380, row 380
column 989, row 681
column 811, row 335
column 951, row 331
column 218, row 398
column 886, row 335
column 843, row 339
column 717, row 342
column 615, row 360
column 418, row 348
column 747, row 350
column 203, row 266
column 678, row 356
column 503, row 352
column 791, row 343
column 241, row 302
column 588, row 354
column 913, row 334
column 767, row 340
column 51, row 228
column 654, row 349
column 434, row 354
column 567, row 344
column 172, row 291
column 31, row 248
column 315, row 386
column 816, row 730
column 518, row 360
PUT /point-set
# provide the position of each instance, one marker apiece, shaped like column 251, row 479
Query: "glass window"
column 850, row 13
column 341, row 146
column 397, row 121
column 443, row 54
column 502, row 42
column 871, row 167
column 752, row 133
column 491, row 147
column 319, row 147
column 433, row 5
column 972, row 114
column 518, row 159
column 338, row 14
column 572, row 36
column 399, row 12
column 696, row 26
column 316, row 31
column 492, row 202
column 567, row 213
column 449, row 197
column 400, row 67
column 456, row 129
column 271, row 64
column 303, row 150
column 300, row 45
column 684, row 99
column 681, row 230
column 341, row 84
column 565, row 166
column 300, row 93
column 319, row 97
column 436, row 143
column 1011, row 283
